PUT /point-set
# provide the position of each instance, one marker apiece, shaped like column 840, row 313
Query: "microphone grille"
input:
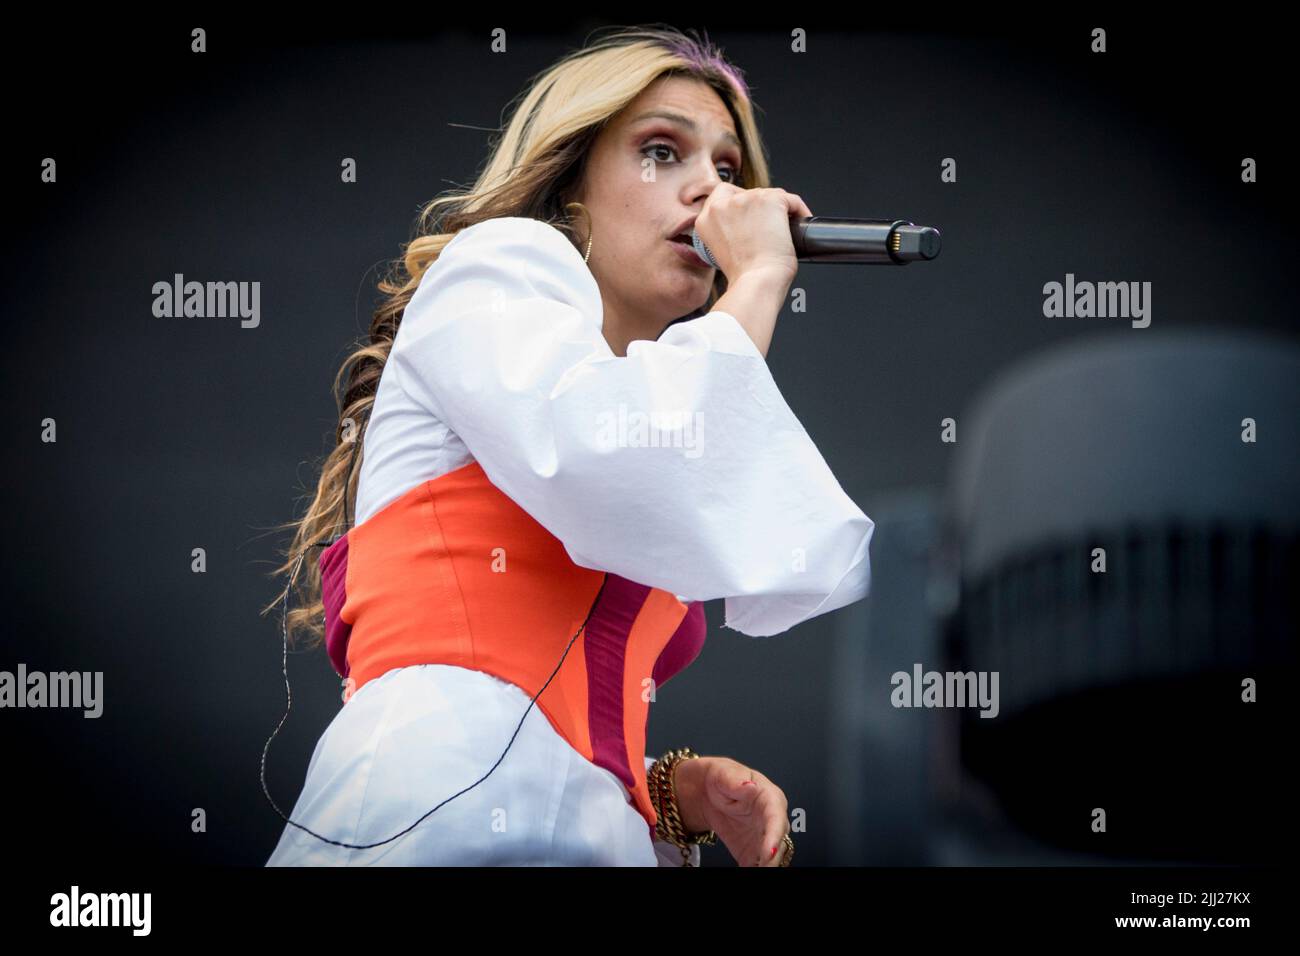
column 701, row 249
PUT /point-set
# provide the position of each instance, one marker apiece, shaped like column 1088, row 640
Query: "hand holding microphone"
column 811, row 238
column 748, row 231
column 758, row 237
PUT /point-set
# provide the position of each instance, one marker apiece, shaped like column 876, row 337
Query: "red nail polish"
column 772, row 854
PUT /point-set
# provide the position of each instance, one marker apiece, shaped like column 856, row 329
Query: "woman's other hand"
column 744, row 808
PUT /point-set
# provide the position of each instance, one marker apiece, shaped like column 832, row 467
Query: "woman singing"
column 568, row 438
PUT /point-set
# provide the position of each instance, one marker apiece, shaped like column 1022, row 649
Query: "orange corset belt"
column 454, row 572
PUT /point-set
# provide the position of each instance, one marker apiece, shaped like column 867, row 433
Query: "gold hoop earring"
column 586, row 212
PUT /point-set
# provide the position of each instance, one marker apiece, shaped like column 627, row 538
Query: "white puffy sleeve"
column 679, row 466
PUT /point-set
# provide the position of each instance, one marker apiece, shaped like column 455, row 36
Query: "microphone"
column 889, row 242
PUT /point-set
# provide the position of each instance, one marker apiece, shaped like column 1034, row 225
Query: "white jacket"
column 499, row 358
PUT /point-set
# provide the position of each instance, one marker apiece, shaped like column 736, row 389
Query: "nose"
column 702, row 184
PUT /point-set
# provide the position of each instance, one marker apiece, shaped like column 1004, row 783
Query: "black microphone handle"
column 892, row 242
column 869, row 241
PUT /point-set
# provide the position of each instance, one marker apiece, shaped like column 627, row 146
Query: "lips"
column 684, row 228
column 688, row 255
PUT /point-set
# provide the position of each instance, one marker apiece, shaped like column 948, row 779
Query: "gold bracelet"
column 663, row 794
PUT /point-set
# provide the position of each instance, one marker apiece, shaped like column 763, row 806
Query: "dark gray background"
column 183, row 433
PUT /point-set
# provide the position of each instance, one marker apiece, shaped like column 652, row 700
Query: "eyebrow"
column 686, row 121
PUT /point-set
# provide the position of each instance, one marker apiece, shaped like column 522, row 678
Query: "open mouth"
column 684, row 238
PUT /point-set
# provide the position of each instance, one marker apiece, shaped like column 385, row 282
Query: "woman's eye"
column 673, row 150
column 659, row 146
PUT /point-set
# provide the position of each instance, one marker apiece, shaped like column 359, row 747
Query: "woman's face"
column 646, row 176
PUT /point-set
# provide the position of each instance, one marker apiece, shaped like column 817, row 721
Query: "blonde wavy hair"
column 535, row 166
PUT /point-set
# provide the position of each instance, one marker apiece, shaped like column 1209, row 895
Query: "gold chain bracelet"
column 663, row 795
